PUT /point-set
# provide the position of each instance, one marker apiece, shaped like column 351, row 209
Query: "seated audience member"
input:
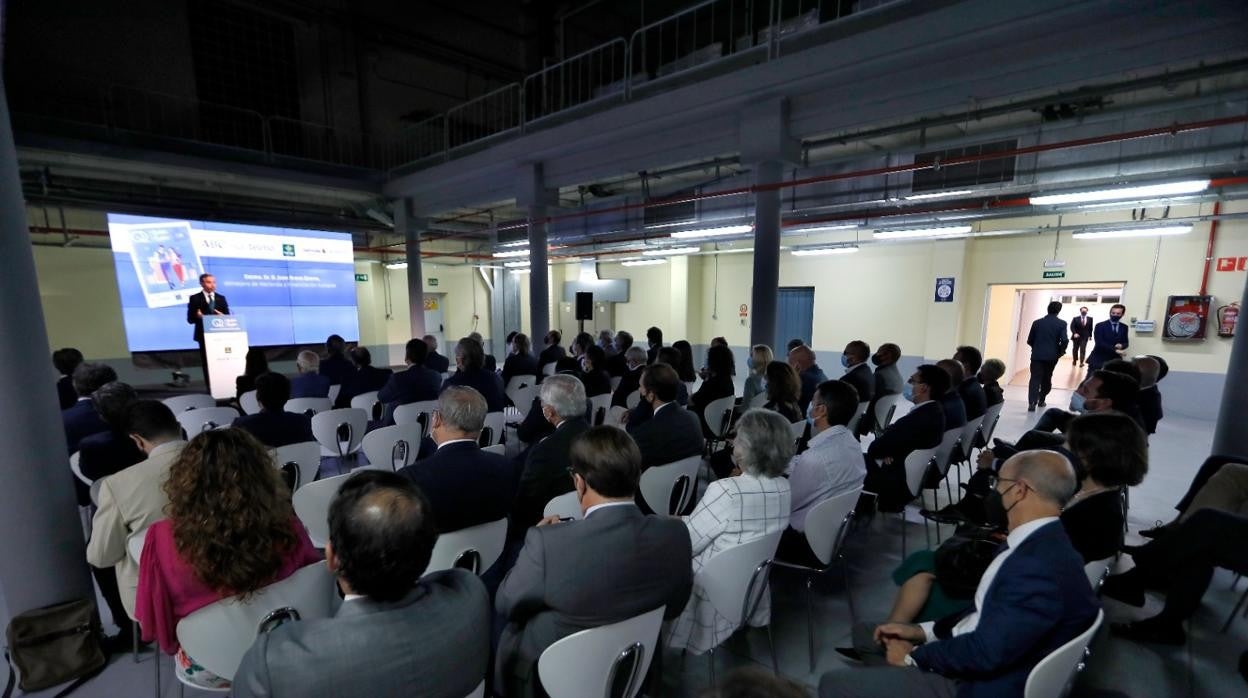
column 921, row 427
column 684, row 367
column 888, row 381
column 755, row 378
column 81, row 419
column 545, row 474
column 802, row 359
column 488, row 361
column 108, row 452
column 134, row 498
column 465, row 485
column 630, row 380
column 363, row 378
column 617, row 364
column 783, row 391
column 831, row 464
column 535, row 426
column 521, row 361
column 1103, row 391
column 434, row 361
column 416, row 383
column 593, row 375
column 257, row 364
column 1033, row 598
column 470, row 371
column 736, row 510
column 273, row 425
column 1149, row 400
column 308, row 381
column 857, row 370
column 335, row 365
column 231, row 531
column 66, row 360
column 551, row 352
column 397, row 633
column 974, row 399
column 673, row 432
column 717, row 385
column 955, row 408
column 606, row 340
column 989, row 376
column 1180, row 562
column 1225, row 490
column 654, row 342
column 613, row 564
column 580, row 343
column 793, row 344
column 642, row 412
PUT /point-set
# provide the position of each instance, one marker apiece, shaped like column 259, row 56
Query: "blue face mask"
column 844, row 361
column 907, row 391
column 749, row 362
column 1076, row 402
column 810, row 414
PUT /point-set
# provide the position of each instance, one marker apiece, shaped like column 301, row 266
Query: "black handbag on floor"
column 55, row 644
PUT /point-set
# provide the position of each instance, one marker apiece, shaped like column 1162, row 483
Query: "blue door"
column 795, row 315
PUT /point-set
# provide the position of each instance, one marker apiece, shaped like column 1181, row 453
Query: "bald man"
column 1033, row 598
column 802, row 359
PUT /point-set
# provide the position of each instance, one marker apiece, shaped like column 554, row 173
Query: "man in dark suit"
column 397, row 633
column 111, row 451
column 65, row 361
column 654, row 338
column 617, row 364
column 614, row 564
column 630, row 379
column 922, row 427
column 206, row 302
column 1047, row 339
column 957, row 412
column 972, row 392
column 552, row 353
column 802, row 359
column 545, row 474
column 673, row 432
column 309, row 382
column 335, row 365
column 642, row 412
column 273, row 425
column 364, row 378
column 857, row 370
column 80, row 419
column 465, row 485
column 1111, row 338
column 415, row 384
column 1032, row 599
column 1080, row 333
column 470, row 371
column 433, row 360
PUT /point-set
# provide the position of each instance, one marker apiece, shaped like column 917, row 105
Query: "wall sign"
column 433, row 281
column 1054, row 274
column 361, row 277
column 744, row 310
column 944, row 289
column 1232, row 263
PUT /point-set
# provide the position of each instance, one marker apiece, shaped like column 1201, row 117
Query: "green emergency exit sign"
column 1054, row 274
column 361, row 277
column 433, row 282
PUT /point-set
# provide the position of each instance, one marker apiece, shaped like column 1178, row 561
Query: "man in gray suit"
column 396, row 633
column 614, row 564
column 1047, row 340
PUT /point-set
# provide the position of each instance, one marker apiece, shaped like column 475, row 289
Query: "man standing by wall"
column 1110, row 338
column 1047, row 340
column 1080, row 331
column 206, row 302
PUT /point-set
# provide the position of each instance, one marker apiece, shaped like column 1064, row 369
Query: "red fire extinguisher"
column 1227, row 316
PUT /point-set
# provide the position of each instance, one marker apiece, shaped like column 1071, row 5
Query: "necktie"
column 212, row 303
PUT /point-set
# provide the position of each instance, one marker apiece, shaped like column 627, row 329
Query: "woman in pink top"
column 231, row 531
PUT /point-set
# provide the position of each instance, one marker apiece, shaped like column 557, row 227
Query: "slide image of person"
column 166, row 264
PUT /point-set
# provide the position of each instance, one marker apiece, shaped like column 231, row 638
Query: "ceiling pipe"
column 1213, row 232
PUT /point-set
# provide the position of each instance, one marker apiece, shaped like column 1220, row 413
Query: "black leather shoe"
column 1123, row 589
column 1031, row 408
column 950, row 516
column 1152, row 630
column 1155, row 532
column 1042, row 404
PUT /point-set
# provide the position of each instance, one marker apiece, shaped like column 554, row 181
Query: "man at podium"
column 206, row 302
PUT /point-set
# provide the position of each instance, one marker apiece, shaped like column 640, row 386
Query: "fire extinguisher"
column 1227, row 316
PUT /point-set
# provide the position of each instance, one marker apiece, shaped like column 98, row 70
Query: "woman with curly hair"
column 231, row 531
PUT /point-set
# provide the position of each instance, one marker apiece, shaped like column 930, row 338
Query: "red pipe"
column 1213, row 231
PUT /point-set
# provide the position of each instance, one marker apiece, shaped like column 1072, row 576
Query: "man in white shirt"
column 1033, row 598
column 832, row 464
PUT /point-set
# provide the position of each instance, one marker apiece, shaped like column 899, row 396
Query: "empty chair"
column 416, row 413
column 566, row 506
column 369, row 403
column 307, row 459
column 311, row 504
column 182, row 403
column 492, row 434
column 599, row 404
column 588, row 664
column 339, row 432
column 735, row 581
column 203, row 419
column 1052, row 676
column 249, row 403
column 475, row 548
column 853, row 422
column 661, row 484
column 309, row 405
column 949, row 443
column 393, row 447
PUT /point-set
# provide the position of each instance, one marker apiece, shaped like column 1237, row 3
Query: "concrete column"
column 766, row 254
column 1229, row 437
column 44, row 560
column 539, row 276
column 411, row 228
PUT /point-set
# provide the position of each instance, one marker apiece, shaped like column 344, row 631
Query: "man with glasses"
column 922, row 427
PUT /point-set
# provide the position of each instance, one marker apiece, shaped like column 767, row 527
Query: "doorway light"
column 643, row 262
column 1132, row 232
column 713, row 232
column 948, row 231
column 1145, row 191
column 671, row 251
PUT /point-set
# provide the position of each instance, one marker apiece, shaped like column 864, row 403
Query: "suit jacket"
column 1106, row 336
column 549, row 355
column 668, row 436
column 810, row 378
column 863, row 381
column 336, row 368
column 1081, row 326
column 437, row 363
column 1149, row 402
column 563, row 583
column 275, row 429
column 921, row 427
column 643, row 411
column 483, row 381
column 413, row 384
column 617, row 365
column 955, row 410
column 993, row 393
column 520, row 365
column 309, row 385
column 465, row 485
column 105, row 453
column 81, row 420
column 198, row 303
column 596, row 382
column 545, row 475
column 652, row 353
column 65, row 392
column 130, row 501
column 974, row 399
column 366, row 379
column 630, row 381
column 1047, row 338
column 1038, row 601
column 431, row 644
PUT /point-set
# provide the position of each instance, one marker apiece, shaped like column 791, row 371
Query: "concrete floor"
column 1205, row 667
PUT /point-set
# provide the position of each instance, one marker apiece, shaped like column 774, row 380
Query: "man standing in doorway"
column 206, row 302
column 1109, row 337
column 1047, row 340
column 1080, row 331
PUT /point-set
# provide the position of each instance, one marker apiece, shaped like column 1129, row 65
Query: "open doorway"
column 1013, row 307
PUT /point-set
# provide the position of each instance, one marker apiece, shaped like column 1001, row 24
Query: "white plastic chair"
column 858, row 415
column 549, row 369
column 599, row 404
column 660, row 482
column 1097, row 570
column 492, row 435
column 565, row 506
column 311, row 503
column 797, row 429
column 991, row 416
column 369, row 403
column 886, row 409
column 943, row 460
column 735, row 581
column 327, row 428
column 522, row 399
column 633, row 399
column 77, row 471
column 302, row 405
column 182, row 403
column 381, row 446
column 134, row 545
column 520, row 380
column 497, row 449
column 478, row 692
column 615, row 382
column 249, row 402
column 718, row 415
column 917, row 465
column 219, row 634
column 417, row 413
column 475, row 548
column 205, row 418
column 1051, row 677
column 334, row 391
column 758, row 400
column 615, row 416
column 588, row 663
column 307, row 459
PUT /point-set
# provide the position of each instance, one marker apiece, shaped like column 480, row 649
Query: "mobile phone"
column 566, row 518
column 165, row 261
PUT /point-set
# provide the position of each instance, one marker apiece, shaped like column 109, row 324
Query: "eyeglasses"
column 994, row 479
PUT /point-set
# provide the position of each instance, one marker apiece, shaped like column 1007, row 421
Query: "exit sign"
column 1054, row 274
column 433, row 282
column 361, row 277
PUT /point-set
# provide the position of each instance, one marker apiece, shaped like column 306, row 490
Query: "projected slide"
column 293, row 286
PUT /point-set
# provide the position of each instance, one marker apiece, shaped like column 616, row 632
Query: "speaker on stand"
column 584, row 308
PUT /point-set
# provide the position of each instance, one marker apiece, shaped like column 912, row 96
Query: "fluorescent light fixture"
column 643, row 262
column 520, row 270
column 671, row 251
column 713, row 232
column 513, row 265
column 822, row 228
column 936, row 195
column 818, row 251
column 396, row 265
column 1132, row 232
column 517, row 243
column 1145, row 191
column 512, row 253
column 948, row 231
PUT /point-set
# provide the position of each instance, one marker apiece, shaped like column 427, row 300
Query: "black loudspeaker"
column 584, row 305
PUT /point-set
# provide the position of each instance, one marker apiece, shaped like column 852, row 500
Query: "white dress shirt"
column 604, row 505
column 455, row 441
column 831, row 464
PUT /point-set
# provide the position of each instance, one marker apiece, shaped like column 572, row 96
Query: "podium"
column 225, row 349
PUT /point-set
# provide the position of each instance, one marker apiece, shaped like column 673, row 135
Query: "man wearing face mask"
column 1080, row 331
column 673, row 432
column 857, row 372
column 888, row 381
column 1032, row 599
column 1110, row 337
column 922, row 427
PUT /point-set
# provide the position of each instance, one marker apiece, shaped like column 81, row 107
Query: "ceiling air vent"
column 965, row 175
